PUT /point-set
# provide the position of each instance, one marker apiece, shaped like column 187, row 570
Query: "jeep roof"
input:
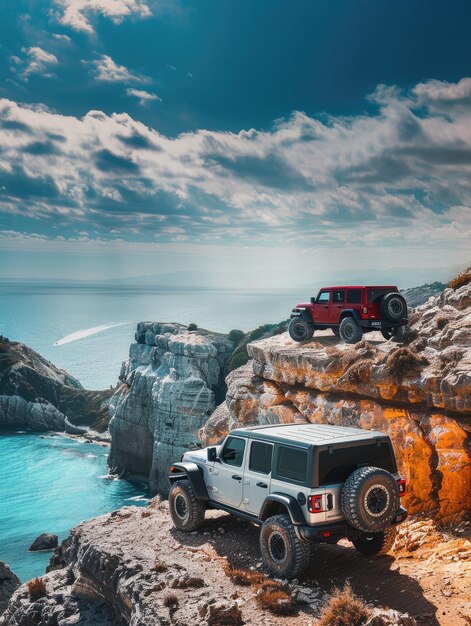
column 392, row 287
column 306, row 435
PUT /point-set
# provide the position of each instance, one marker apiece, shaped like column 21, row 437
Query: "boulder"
column 9, row 583
column 46, row 541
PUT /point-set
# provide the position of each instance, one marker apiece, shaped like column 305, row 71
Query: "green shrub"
column 238, row 358
column 258, row 332
column 192, row 326
column 236, row 336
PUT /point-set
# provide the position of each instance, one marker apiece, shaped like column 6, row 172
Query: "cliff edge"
column 169, row 387
column 419, row 393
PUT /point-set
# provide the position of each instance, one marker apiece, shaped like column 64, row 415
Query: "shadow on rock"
column 332, row 565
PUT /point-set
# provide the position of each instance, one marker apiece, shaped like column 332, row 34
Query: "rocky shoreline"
column 36, row 394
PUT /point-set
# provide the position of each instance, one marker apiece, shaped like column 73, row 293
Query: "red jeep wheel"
column 350, row 331
column 299, row 330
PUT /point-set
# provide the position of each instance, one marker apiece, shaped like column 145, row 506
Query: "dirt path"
column 431, row 583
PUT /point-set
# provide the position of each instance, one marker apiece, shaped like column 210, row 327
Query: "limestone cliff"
column 420, row 393
column 36, row 394
column 170, row 386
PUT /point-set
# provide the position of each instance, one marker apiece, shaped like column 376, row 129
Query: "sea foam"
column 87, row 332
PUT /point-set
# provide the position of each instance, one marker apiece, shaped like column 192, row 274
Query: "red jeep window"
column 354, row 296
column 338, row 296
column 323, row 297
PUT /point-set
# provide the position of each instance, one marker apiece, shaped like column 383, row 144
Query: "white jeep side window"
column 233, row 452
column 260, row 457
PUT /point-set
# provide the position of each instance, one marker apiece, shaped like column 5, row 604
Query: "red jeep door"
column 321, row 308
column 337, row 304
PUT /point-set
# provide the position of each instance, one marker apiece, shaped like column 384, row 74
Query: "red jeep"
column 350, row 312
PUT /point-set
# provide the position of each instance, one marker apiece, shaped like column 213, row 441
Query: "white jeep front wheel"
column 186, row 510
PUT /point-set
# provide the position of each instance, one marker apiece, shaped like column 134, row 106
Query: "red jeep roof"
column 359, row 287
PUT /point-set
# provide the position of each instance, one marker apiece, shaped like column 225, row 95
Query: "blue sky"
column 141, row 137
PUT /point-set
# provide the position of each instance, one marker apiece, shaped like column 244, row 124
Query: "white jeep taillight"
column 401, row 483
column 314, row 504
column 365, row 310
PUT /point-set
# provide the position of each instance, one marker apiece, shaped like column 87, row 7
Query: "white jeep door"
column 228, row 472
column 257, row 476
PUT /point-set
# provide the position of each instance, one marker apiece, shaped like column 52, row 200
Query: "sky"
column 247, row 139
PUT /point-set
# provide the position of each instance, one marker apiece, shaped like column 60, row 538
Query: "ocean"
column 50, row 484
column 94, row 326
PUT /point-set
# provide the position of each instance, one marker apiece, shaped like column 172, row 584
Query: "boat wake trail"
column 81, row 334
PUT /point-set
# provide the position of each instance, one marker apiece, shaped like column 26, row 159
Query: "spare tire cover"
column 393, row 307
column 370, row 499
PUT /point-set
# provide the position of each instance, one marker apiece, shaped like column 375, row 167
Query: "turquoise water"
column 50, row 485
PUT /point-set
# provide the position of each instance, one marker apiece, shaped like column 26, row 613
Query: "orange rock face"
column 419, row 393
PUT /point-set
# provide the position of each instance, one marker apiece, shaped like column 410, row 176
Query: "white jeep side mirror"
column 212, row 454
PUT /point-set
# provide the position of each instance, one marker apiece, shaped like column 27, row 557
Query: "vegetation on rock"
column 344, row 609
column 37, row 588
column 464, row 278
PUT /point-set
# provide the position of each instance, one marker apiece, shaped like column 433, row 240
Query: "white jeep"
column 302, row 483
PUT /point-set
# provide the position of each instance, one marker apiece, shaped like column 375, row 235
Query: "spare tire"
column 393, row 306
column 370, row 499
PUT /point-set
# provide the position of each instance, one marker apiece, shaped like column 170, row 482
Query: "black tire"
column 395, row 333
column 187, row 512
column 299, row 330
column 376, row 543
column 336, row 331
column 400, row 334
column 393, row 307
column 349, row 330
column 370, row 499
column 282, row 552
column 388, row 333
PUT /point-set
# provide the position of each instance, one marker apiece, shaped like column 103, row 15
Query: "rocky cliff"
column 419, row 393
column 36, row 394
column 131, row 567
column 169, row 387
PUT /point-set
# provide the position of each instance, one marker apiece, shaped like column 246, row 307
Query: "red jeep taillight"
column 314, row 504
column 401, row 483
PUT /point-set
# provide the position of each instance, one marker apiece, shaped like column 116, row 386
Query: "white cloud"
column 60, row 37
column 107, row 70
column 396, row 178
column 35, row 61
column 77, row 13
column 433, row 90
column 144, row 97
